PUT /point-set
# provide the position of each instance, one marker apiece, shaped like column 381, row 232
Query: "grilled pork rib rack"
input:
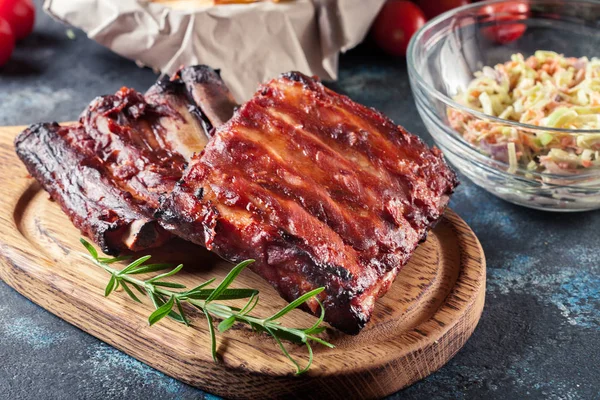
column 108, row 171
column 319, row 190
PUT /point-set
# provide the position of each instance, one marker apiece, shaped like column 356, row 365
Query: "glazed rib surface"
column 319, row 190
column 83, row 189
column 109, row 170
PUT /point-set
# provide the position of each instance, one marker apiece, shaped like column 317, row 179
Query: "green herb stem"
column 166, row 301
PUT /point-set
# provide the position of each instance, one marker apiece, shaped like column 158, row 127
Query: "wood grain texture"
column 424, row 320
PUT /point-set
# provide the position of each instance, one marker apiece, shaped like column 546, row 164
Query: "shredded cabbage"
column 545, row 90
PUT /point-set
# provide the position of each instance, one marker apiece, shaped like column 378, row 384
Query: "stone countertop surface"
column 538, row 338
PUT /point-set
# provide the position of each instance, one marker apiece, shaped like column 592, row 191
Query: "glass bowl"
column 442, row 58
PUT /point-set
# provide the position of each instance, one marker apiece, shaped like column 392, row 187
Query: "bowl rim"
column 413, row 71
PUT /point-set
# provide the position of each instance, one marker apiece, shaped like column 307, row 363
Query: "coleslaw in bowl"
column 547, row 90
column 521, row 122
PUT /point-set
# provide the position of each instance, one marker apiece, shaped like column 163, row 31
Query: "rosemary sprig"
column 166, row 301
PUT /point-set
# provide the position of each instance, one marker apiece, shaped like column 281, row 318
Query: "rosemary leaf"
column 91, row 249
column 246, row 308
column 169, row 285
column 111, row 285
column 200, row 294
column 166, row 274
column 296, row 303
column 228, row 279
column 220, row 310
column 310, row 360
column 252, row 306
column 316, row 326
column 321, row 341
column 158, row 302
column 176, row 317
column 139, row 289
column 161, row 312
column 208, row 282
column 226, row 324
column 134, row 265
column 291, row 334
column 155, row 299
column 235, row 294
column 112, row 260
column 129, row 292
column 227, row 294
column 284, row 350
column 181, row 312
column 150, row 268
column 213, row 338
column 315, row 331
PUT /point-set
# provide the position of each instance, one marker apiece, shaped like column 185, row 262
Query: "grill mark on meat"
column 287, row 180
column 321, row 155
column 276, row 213
column 269, row 192
column 331, row 147
column 379, row 179
column 375, row 151
column 354, row 199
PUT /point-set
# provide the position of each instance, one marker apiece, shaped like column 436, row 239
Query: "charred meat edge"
column 116, row 220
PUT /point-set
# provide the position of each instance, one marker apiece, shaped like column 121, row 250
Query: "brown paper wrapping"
column 250, row 43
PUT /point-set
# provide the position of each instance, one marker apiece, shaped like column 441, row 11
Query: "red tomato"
column 397, row 21
column 433, row 8
column 7, row 41
column 20, row 14
column 500, row 13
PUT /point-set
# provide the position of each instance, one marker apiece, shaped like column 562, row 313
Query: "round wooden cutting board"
column 424, row 320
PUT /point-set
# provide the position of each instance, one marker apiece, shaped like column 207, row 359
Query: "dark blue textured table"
column 539, row 336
